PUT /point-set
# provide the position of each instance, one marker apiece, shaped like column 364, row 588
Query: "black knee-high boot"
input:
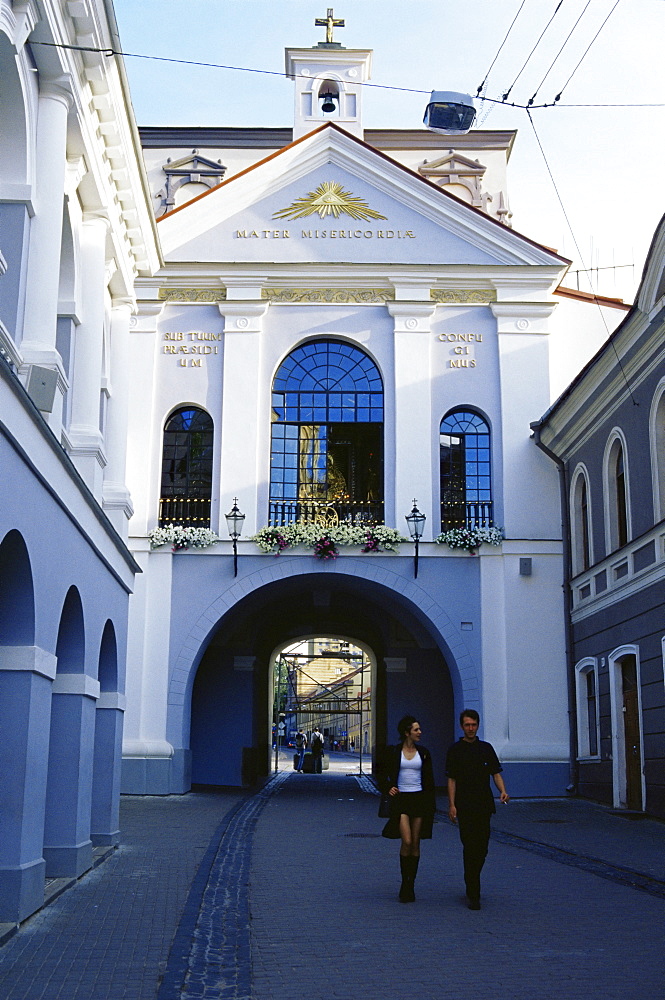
column 413, row 871
column 404, row 871
column 409, row 868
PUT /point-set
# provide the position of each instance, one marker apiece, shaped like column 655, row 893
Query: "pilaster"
column 140, row 472
column 241, row 406
column 413, row 410
column 85, row 435
column 67, row 843
column 116, row 499
column 522, row 329
column 38, row 345
column 26, row 679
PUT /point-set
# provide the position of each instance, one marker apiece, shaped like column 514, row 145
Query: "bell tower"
column 328, row 82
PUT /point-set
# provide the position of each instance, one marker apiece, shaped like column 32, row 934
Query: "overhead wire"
column 271, row 72
column 480, row 88
column 553, row 63
column 540, row 38
column 109, row 52
column 581, row 257
column 584, row 54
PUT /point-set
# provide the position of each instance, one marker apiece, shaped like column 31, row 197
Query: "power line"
column 248, row 69
column 586, row 51
column 552, row 64
column 581, row 257
column 499, row 49
column 542, row 34
column 208, row 65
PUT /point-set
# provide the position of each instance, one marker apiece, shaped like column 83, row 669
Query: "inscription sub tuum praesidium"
column 190, row 348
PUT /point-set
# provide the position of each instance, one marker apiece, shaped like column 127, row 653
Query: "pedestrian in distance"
column 317, row 750
column 301, row 746
column 408, row 787
column 469, row 764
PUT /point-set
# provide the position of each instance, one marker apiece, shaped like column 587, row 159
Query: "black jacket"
column 389, row 773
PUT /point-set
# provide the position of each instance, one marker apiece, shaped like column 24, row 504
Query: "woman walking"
column 408, row 781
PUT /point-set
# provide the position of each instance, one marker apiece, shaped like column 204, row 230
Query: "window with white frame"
column 580, row 523
column 657, row 441
column 617, row 497
column 588, row 742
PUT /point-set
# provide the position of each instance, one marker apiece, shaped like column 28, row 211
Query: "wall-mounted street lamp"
column 416, row 523
column 234, row 523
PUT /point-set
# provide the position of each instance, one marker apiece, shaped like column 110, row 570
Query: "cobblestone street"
column 292, row 892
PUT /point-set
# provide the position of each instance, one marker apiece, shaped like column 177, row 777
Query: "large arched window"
column 616, row 496
column 465, row 464
column 187, row 468
column 327, row 436
column 581, row 523
column 657, row 441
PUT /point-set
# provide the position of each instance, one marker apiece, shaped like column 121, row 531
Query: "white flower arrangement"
column 470, row 538
column 373, row 538
column 180, row 537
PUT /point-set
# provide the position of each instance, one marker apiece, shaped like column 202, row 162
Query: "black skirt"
column 411, row 804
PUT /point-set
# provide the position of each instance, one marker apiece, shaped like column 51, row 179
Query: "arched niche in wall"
column 17, row 597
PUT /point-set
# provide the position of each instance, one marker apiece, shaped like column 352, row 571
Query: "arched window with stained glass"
column 186, row 487
column 465, row 467
column 327, row 436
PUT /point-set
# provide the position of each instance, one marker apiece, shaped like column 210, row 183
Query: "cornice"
column 329, row 295
column 195, row 295
column 463, row 296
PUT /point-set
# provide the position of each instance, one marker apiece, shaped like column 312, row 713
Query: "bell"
column 328, row 105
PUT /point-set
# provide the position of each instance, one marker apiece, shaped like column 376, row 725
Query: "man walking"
column 317, row 750
column 301, row 746
column 469, row 764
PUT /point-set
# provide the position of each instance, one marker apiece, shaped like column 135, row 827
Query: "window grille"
column 327, row 437
column 186, row 487
column 465, row 465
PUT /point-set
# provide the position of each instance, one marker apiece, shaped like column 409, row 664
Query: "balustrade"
column 473, row 514
column 192, row 512
column 326, row 515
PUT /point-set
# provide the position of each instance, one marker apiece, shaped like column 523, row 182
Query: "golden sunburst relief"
column 329, row 198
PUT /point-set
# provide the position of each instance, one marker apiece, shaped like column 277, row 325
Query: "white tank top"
column 409, row 779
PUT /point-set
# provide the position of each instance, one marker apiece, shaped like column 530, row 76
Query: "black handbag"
column 384, row 806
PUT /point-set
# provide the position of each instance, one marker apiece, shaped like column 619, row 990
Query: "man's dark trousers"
column 474, row 831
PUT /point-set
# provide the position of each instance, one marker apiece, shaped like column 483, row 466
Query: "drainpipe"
column 573, row 769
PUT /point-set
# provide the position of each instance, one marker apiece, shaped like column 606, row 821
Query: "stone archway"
column 227, row 675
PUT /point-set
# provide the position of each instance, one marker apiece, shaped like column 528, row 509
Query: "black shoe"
column 473, row 902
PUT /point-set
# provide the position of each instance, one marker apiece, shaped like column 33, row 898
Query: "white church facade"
column 340, row 336
column 319, row 324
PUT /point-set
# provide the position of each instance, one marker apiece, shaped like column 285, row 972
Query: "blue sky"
column 606, row 161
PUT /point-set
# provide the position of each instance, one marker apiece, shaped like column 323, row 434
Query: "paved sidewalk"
column 108, row 937
column 292, row 892
column 326, row 922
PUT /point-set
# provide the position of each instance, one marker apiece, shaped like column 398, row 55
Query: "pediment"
column 194, row 163
column 329, row 198
column 453, row 163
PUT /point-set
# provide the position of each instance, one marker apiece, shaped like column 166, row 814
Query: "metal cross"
column 329, row 23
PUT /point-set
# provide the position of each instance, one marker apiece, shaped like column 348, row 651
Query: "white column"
column 85, row 436
column 43, row 269
column 116, row 499
column 144, row 447
column 414, row 434
column 241, row 408
column 528, row 478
